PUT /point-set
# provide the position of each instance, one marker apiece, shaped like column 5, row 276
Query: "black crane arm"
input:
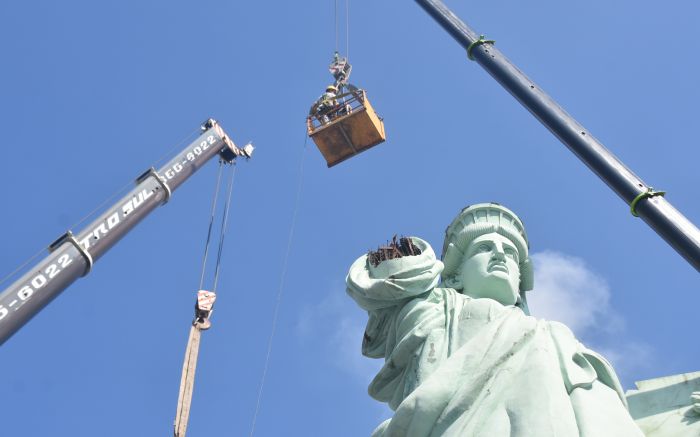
column 679, row 232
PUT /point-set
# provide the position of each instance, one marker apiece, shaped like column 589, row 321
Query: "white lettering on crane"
column 136, row 201
column 113, row 220
column 41, row 278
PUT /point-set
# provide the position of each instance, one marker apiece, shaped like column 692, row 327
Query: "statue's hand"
column 695, row 399
column 397, row 277
column 396, row 248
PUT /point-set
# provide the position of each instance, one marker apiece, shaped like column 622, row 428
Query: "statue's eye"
column 509, row 251
column 484, row 247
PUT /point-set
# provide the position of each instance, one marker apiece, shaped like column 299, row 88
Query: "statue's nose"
column 498, row 252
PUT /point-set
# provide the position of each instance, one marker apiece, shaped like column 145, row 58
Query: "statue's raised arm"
column 379, row 284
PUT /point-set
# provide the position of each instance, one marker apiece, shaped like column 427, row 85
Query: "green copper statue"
column 463, row 357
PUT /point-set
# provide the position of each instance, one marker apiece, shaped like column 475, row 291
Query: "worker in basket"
column 326, row 107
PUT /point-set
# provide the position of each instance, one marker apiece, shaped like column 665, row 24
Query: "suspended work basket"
column 349, row 128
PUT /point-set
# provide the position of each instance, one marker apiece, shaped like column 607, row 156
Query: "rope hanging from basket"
column 280, row 288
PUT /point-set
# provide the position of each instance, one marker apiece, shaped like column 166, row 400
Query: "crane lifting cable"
column 342, row 122
column 203, row 308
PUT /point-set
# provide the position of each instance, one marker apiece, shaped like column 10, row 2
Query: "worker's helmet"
column 332, row 88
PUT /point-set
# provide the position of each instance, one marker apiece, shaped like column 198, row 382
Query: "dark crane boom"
column 648, row 204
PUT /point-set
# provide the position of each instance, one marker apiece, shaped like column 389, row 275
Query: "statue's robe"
column 458, row 366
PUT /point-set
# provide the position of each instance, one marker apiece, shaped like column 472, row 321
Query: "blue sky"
column 93, row 93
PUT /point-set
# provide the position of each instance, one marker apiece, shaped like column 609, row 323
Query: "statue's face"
column 491, row 269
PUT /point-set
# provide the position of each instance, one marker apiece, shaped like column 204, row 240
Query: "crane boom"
column 72, row 256
column 649, row 205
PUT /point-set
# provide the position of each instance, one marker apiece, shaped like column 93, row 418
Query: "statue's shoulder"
column 559, row 328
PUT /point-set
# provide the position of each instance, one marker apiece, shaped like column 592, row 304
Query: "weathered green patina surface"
column 463, row 357
column 667, row 406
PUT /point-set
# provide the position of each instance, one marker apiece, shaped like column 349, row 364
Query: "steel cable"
column 189, row 366
column 24, row 264
column 335, row 12
column 224, row 222
column 211, row 224
column 283, row 276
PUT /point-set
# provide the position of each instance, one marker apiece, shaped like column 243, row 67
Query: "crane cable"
column 347, row 28
column 189, row 366
column 211, row 224
column 335, row 11
column 283, row 277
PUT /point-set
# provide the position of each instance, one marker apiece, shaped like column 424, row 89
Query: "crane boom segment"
column 72, row 256
column 679, row 232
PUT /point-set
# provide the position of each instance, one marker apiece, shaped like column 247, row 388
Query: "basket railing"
column 347, row 104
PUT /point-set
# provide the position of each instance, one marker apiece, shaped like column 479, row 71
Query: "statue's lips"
column 498, row 267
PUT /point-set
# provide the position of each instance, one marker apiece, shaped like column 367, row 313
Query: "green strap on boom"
column 650, row 192
column 476, row 43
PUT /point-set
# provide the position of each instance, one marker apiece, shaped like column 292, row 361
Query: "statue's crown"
column 480, row 219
